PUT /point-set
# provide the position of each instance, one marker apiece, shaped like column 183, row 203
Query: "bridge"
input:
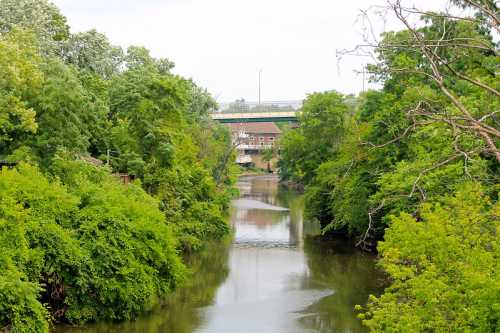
column 242, row 111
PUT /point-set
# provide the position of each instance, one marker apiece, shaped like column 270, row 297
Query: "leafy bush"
column 98, row 249
column 20, row 308
column 445, row 269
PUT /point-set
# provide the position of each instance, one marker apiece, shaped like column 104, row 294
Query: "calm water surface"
column 271, row 279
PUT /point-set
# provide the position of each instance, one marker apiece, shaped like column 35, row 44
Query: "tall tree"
column 455, row 54
column 321, row 128
column 39, row 16
column 20, row 80
column 92, row 51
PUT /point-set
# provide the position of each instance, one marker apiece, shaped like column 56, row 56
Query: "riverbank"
column 293, row 185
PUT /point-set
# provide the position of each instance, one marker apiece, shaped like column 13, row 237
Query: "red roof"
column 257, row 128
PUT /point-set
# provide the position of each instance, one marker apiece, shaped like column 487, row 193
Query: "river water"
column 272, row 277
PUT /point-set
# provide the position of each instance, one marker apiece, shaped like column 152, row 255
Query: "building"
column 250, row 139
column 254, row 136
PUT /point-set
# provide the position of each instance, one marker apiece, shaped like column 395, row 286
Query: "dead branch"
column 371, row 212
column 483, row 118
column 439, row 79
column 488, row 11
column 413, row 10
column 397, row 138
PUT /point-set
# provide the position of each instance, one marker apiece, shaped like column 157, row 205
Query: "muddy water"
column 270, row 279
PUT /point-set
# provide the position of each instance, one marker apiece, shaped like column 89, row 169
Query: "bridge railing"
column 254, row 115
column 242, row 106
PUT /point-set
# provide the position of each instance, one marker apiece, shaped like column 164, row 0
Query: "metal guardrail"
column 243, row 106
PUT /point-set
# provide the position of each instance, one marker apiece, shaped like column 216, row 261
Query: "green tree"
column 160, row 140
column 67, row 114
column 76, row 244
column 138, row 57
column 38, row 16
column 321, row 121
column 416, row 166
column 267, row 155
column 92, row 51
column 20, row 79
column 431, row 127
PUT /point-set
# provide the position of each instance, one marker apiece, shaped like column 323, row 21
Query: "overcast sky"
column 222, row 44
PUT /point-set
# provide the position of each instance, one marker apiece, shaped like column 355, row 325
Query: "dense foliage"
column 445, row 268
column 321, row 126
column 76, row 112
column 98, row 249
column 416, row 165
column 154, row 141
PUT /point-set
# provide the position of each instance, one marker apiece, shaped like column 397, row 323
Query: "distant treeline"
column 76, row 244
column 412, row 171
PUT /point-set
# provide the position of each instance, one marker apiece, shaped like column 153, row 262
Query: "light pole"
column 260, row 83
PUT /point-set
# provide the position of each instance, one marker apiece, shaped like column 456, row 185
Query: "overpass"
column 244, row 112
column 255, row 117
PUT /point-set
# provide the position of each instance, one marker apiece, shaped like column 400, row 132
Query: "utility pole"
column 260, row 83
column 364, row 79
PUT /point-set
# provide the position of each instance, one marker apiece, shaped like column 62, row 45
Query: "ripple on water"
column 255, row 204
column 263, row 244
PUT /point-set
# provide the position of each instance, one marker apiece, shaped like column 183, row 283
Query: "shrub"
column 445, row 268
column 99, row 250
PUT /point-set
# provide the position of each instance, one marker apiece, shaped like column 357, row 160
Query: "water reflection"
column 352, row 275
column 268, row 280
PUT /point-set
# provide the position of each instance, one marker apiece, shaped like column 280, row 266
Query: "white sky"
column 222, row 44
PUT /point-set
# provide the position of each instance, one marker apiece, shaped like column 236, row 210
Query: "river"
column 271, row 278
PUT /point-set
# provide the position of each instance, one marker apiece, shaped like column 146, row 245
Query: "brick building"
column 251, row 138
column 254, row 136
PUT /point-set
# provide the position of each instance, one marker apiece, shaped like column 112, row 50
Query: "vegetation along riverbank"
column 78, row 117
column 411, row 170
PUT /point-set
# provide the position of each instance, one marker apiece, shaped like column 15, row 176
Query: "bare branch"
column 399, row 137
column 414, row 10
column 362, row 241
column 483, row 118
column 489, row 12
column 438, row 78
